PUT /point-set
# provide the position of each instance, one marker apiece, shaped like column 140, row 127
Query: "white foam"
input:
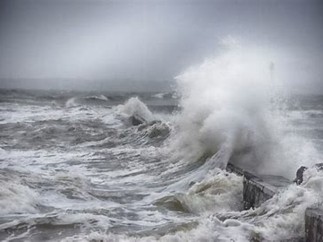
column 231, row 101
column 17, row 198
column 281, row 217
column 99, row 97
column 72, row 102
column 159, row 95
column 134, row 106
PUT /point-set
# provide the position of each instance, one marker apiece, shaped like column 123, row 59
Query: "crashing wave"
column 72, row 102
column 100, row 97
column 227, row 102
column 155, row 129
column 17, row 198
column 84, row 101
column 159, row 95
column 137, row 111
column 164, row 95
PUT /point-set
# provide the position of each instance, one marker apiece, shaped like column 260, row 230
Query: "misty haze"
column 160, row 120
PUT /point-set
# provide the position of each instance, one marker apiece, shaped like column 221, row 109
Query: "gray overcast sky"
column 150, row 40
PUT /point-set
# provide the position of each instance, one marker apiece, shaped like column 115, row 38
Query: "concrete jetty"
column 257, row 189
column 313, row 225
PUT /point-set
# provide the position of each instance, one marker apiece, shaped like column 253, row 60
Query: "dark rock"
column 136, row 120
column 300, row 172
column 159, row 130
column 313, row 225
column 299, row 175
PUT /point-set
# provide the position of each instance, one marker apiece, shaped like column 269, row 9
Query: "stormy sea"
column 122, row 166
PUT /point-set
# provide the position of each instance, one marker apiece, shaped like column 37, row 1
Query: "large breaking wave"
column 232, row 106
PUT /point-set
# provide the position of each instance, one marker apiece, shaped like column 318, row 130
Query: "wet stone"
column 313, row 225
column 136, row 120
column 258, row 188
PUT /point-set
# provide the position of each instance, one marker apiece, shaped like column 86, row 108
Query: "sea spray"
column 231, row 102
column 134, row 106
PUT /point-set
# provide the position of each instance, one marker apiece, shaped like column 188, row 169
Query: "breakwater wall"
column 257, row 189
column 313, row 225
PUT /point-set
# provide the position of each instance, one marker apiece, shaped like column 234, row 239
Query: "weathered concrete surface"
column 258, row 189
column 313, row 225
column 235, row 169
column 255, row 191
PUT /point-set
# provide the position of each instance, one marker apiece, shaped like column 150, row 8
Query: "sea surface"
column 74, row 168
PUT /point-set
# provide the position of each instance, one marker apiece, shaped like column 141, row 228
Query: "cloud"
column 149, row 40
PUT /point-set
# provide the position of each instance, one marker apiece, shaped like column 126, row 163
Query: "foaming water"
column 73, row 168
column 136, row 107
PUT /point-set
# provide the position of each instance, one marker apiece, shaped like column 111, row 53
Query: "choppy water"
column 73, row 168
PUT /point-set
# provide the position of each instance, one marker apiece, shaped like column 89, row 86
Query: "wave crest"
column 135, row 107
column 231, row 104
